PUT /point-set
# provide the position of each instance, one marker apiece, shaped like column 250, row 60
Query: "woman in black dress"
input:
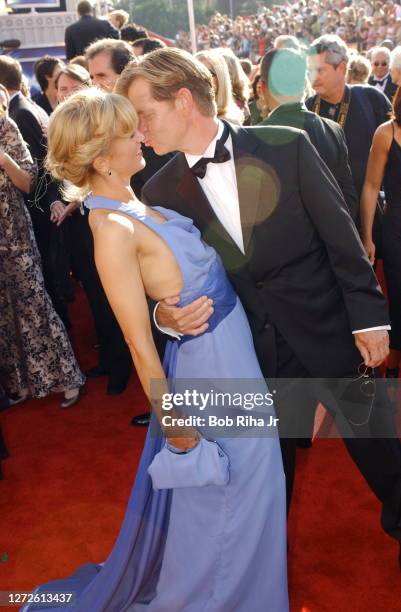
column 384, row 169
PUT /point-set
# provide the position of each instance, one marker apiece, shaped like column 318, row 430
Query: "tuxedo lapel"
column 197, row 204
column 249, row 172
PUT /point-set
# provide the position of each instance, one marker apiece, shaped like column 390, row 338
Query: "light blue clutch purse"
column 206, row 464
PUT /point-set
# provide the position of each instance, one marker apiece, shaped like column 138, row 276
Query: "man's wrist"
column 165, row 330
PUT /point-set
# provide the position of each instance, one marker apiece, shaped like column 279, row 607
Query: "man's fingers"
column 197, row 331
column 365, row 354
column 200, row 316
column 192, row 308
column 171, row 301
column 194, row 324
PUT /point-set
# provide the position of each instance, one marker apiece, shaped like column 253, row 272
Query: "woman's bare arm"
column 19, row 177
column 373, row 181
column 118, row 267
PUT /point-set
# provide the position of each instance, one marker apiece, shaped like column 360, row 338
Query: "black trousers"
column 364, row 419
column 114, row 355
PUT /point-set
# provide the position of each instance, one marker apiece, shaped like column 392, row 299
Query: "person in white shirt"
column 264, row 199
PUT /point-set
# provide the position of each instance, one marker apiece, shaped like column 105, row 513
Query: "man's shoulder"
column 266, row 134
column 367, row 91
column 166, row 173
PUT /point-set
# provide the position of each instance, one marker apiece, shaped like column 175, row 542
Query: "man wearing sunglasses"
column 380, row 77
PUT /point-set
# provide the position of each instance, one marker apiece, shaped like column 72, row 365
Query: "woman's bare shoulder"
column 111, row 224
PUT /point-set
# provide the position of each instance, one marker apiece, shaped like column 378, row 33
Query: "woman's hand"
column 370, row 249
column 184, row 444
column 59, row 211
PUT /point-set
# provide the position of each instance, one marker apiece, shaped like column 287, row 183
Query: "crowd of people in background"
column 361, row 24
column 334, row 48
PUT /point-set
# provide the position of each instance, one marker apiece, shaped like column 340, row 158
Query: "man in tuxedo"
column 79, row 35
column 381, row 77
column 264, row 199
column 283, row 75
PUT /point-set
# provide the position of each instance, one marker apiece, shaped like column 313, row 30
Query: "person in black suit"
column 79, row 35
column 283, row 97
column 381, row 77
column 47, row 69
column 32, row 122
column 359, row 109
column 269, row 206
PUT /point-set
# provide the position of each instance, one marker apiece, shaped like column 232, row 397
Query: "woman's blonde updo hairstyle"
column 82, row 128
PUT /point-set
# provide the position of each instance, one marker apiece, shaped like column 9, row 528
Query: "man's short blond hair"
column 169, row 70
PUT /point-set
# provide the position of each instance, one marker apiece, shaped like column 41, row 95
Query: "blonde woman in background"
column 239, row 82
column 118, row 18
column 358, row 70
column 226, row 107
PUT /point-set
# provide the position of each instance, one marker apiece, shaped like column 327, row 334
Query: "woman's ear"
column 101, row 165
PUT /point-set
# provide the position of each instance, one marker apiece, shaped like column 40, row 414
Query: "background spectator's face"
column 51, row 81
column 162, row 124
column 66, row 87
column 325, row 78
column 101, row 71
column 379, row 65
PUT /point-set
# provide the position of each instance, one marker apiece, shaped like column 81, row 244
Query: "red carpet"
column 70, row 472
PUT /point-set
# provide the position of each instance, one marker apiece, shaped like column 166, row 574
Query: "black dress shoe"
column 141, row 420
column 96, row 372
column 117, row 384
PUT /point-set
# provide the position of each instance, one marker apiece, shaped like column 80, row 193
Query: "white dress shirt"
column 381, row 87
column 220, row 187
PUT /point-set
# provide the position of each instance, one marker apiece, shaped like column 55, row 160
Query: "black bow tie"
column 380, row 82
column 221, row 155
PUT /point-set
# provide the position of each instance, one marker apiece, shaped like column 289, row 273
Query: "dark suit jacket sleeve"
column 381, row 105
column 325, row 205
column 344, row 176
column 110, row 31
column 70, row 51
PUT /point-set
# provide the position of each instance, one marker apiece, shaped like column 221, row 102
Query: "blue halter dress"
column 215, row 548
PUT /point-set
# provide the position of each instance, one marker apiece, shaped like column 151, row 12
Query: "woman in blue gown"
column 205, row 526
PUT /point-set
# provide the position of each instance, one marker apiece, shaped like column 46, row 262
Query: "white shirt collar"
column 210, row 149
column 383, row 78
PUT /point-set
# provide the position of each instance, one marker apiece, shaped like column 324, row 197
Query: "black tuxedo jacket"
column 390, row 88
column 304, row 270
column 32, row 122
column 328, row 138
column 85, row 31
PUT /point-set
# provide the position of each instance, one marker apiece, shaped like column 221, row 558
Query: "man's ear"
column 184, row 100
column 343, row 68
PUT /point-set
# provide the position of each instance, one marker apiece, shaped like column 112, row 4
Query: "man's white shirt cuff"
column 165, row 330
column 382, row 327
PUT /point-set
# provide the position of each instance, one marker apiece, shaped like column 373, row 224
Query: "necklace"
column 344, row 108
